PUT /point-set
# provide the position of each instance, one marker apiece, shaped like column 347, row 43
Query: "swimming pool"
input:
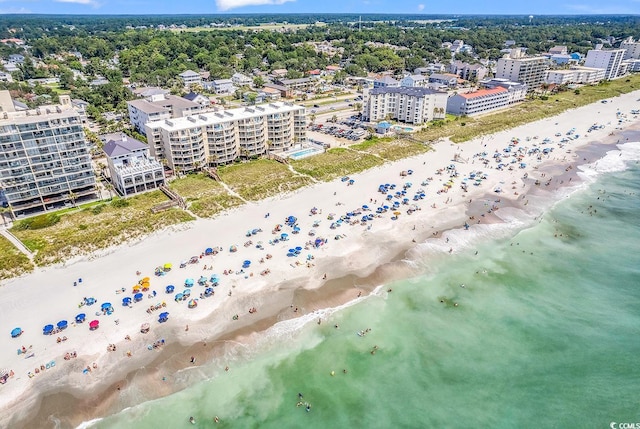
column 405, row 129
column 303, row 153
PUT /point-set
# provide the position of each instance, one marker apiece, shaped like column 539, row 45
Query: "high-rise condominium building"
column 44, row 157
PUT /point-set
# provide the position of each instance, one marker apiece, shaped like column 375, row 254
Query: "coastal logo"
column 614, row 425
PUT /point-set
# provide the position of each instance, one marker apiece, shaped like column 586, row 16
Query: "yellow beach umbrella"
column 167, row 266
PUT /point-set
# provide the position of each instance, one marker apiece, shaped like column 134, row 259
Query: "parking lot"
column 344, row 132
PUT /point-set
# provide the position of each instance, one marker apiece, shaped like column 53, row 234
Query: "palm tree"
column 213, row 160
column 72, row 197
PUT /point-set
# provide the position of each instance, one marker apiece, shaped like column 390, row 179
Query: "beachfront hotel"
column 44, row 158
column 220, row 137
column 609, row 60
column 411, row 105
column 477, row 102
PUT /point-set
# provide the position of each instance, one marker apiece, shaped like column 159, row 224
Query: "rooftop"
column 483, row 93
column 123, row 146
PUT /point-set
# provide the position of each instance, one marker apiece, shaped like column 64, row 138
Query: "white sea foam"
column 89, row 424
column 614, row 160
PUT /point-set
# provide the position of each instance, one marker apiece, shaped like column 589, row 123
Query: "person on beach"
column 193, row 359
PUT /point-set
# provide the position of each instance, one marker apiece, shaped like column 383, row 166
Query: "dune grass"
column 391, row 149
column 204, row 196
column 261, row 179
column 335, row 163
column 13, row 263
column 96, row 227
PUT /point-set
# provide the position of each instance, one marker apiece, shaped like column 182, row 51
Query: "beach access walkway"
column 16, row 242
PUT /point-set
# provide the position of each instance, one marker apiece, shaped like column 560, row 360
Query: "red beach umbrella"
column 94, row 324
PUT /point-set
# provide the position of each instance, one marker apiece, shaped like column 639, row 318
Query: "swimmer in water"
column 192, row 420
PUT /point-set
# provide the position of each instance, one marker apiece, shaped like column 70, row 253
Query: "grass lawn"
column 205, row 197
column 464, row 129
column 335, row 163
column 12, row 262
column 391, row 149
column 97, row 227
column 261, row 178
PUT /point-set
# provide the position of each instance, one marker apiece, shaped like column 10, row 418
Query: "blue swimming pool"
column 303, row 153
column 405, row 129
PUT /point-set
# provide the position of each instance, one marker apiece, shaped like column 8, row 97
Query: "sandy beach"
column 343, row 240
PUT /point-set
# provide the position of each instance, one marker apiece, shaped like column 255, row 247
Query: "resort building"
column 609, row 60
column 530, row 71
column 413, row 81
column 409, row 105
column 220, row 137
column 475, row 103
column 159, row 106
column 301, row 84
column 583, row 75
column 131, row 168
column 632, row 48
column 468, row 71
column 517, row 91
column 446, row 79
column 386, row 82
column 44, row 157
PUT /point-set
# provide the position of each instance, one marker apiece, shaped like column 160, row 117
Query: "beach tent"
column 137, row 297
column 163, row 317
column 62, row 324
column 233, row 248
column 188, row 282
column 93, row 325
column 47, row 330
column 80, row 317
column 170, row 289
column 16, row 332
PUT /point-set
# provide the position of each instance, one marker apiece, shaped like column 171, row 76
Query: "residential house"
column 239, row 80
column 301, row 84
column 386, row 82
column 189, row 77
column 222, row 86
column 558, row 50
column 131, row 169
column 448, row 79
column 284, row 91
column 271, row 94
column 202, row 100
column 332, row 69
column 5, row 77
column 278, row 73
column 466, row 71
column 414, row 80
column 16, row 58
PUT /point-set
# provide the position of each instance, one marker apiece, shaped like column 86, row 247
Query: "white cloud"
column 421, row 7
column 233, row 4
column 14, row 10
column 93, row 3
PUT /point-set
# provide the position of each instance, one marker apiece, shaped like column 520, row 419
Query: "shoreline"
column 393, row 241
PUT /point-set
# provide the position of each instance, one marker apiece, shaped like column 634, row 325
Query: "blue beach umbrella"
column 163, row 317
column 16, row 332
column 62, row 324
column 189, row 282
column 170, row 289
column 106, row 305
column 179, row 297
column 138, row 297
column 47, row 329
column 80, row 317
column 126, row 301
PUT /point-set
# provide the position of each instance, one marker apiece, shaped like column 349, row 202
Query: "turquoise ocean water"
column 545, row 334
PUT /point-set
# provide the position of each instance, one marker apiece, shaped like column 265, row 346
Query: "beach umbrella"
column 192, row 303
column 208, row 291
column 94, row 324
column 138, row 297
column 189, row 282
column 16, row 332
column 178, row 297
column 105, row 306
column 145, row 280
column 186, row 292
column 233, row 248
column 208, row 250
column 167, row 266
column 163, row 317
column 47, row 329
column 214, row 278
column 202, row 280
column 170, row 289
column 136, row 288
column 62, row 324
column 126, row 301
column 80, row 317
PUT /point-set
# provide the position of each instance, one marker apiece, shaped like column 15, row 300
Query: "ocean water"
column 539, row 329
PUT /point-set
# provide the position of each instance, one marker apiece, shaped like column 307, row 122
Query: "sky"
column 510, row 7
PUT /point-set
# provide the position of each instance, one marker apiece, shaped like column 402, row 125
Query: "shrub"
column 97, row 209
column 38, row 222
column 119, row 203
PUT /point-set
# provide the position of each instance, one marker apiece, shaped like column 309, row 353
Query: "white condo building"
column 221, row 137
column 609, row 60
column 405, row 104
column 530, row 71
column 632, row 48
column 583, row 75
column 44, row 158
